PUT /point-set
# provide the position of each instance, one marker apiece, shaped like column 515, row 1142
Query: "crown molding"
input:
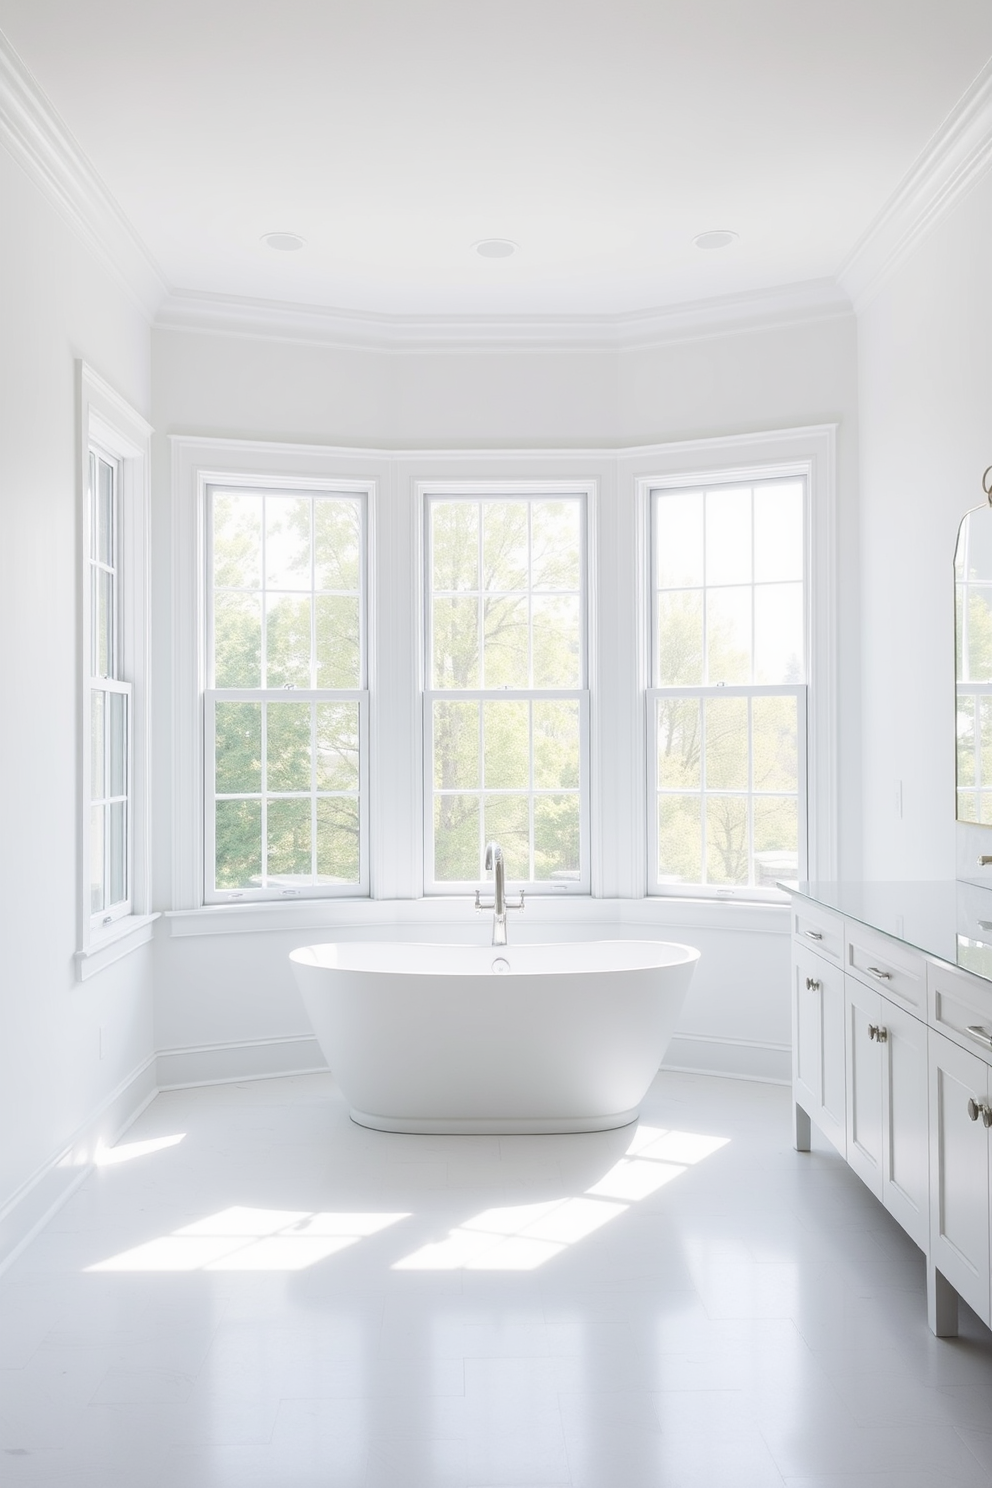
column 43, row 146
column 954, row 159
column 222, row 315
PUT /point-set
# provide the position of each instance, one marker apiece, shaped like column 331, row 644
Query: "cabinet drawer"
column 960, row 1006
column 818, row 930
column 888, row 966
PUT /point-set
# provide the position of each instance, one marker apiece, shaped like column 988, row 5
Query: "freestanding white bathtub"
column 523, row 1038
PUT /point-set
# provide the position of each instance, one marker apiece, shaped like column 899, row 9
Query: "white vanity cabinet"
column 959, row 1165
column 818, row 1026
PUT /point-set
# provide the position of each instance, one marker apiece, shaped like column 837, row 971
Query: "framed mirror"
column 973, row 663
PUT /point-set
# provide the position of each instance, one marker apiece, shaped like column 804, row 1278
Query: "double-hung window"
column 727, row 711
column 110, row 698
column 286, row 705
column 506, row 708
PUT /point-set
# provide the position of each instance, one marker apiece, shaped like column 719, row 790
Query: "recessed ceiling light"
column 495, row 248
column 720, row 237
column 283, row 242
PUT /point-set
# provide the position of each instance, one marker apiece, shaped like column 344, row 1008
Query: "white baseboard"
column 737, row 1059
column 252, row 1059
column 34, row 1203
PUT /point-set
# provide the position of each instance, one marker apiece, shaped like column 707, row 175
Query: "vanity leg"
column 942, row 1304
column 802, row 1130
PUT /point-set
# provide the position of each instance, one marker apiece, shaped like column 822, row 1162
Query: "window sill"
column 123, row 937
column 573, row 917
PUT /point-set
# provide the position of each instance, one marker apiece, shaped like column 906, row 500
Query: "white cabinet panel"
column 818, row 930
column 890, row 967
column 905, row 1148
column 959, row 1168
column 818, row 1042
column 864, row 1084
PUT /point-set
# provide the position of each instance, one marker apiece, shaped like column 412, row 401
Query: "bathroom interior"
column 553, row 425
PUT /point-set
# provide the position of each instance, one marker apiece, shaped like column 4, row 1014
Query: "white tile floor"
column 754, row 1319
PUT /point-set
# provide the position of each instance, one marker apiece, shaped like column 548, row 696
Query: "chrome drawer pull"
column 979, row 1108
column 980, row 1035
column 877, row 1032
column 883, row 976
column 812, row 985
column 813, row 934
column 974, row 1109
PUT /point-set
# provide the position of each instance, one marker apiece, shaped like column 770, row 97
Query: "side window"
column 727, row 711
column 110, row 698
column 286, row 705
column 506, row 707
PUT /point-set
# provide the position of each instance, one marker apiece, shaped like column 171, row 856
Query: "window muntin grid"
column 287, row 715
column 506, row 714
column 109, row 698
column 727, row 735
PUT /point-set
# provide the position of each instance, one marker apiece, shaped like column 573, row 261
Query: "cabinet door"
column 905, row 1150
column 959, row 1171
column 864, row 1084
column 818, row 1042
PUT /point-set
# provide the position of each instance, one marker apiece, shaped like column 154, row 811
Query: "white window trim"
column 107, row 421
column 618, row 483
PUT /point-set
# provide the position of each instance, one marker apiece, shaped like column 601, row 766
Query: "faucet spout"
column 494, row 861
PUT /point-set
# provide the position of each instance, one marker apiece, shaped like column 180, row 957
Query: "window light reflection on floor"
column 524, row 1236
column 108, row 1157
column 242, row 1239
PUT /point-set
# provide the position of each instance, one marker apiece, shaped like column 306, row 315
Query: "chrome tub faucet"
column 499, row 906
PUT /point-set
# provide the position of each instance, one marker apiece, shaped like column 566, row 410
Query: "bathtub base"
column 500, row 1126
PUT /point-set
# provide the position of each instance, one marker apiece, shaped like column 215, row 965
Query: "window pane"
column 979, row 646
column 237, row 541
column 457, row 854
column 726, row 743
column 506, row 729
column 985, row 722
column 507, row 821
column 985, row 808
column 728, row 635
column 117, row 741
column 289, row 839
column 97, row 745
column 338, row 641
column 97, row 846
column 237, row 640
column 556, row 745
column 966, row 742
column 456, row 745
column 105, row 513
column 726, row 840
column 238, row 827
column 556, row 545
column 337, row 748
column 505, row 639
column 679, row 540
column 337, row 543
column 557, row 645
column 338, row 837
column 287, row 748
column 968, row 806
column 455, row 545
column 238, row 736
column 103, row 657
column 117, row 851
column 287, row 542
column 775, row 743
column 778, row 533
column 556, row 837
column 680, row 639
column 680, row 839
column 679, row 743
column 504, row 545
column 728, row 537
column 776, row 839
column 287, row 644
column 778, row 634
column 456, row 643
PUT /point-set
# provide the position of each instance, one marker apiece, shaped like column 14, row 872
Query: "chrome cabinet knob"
column 974, row 1109
column 986, row 1116
column 812, row 985
column 877, row 1032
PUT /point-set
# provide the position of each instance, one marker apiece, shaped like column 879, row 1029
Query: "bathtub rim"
column 494, row 1126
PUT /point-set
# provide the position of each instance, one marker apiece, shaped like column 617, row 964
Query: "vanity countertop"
column 946, row 918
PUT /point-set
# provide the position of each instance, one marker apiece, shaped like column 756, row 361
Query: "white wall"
column 57, row 303
column 926, row 436
column 225, row 989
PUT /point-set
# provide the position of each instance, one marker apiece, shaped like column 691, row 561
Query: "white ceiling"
column 600, row 135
